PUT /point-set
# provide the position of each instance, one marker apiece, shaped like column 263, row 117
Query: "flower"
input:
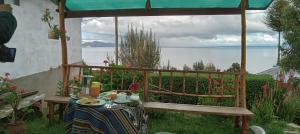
column 265, row 89
column 134, row 87
column 13, row 87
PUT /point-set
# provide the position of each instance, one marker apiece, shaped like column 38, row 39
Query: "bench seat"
column 244, row 113
column 199, row 109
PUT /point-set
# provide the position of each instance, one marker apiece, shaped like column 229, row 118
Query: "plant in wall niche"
column 54, row 32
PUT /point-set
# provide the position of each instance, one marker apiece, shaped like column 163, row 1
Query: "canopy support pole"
column 243, row 54
column 63, row 44
column 116, row 39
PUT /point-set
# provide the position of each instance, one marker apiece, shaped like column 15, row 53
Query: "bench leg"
column 237, row 121
column 245, row 125
column 51, row 111
column 61, row 110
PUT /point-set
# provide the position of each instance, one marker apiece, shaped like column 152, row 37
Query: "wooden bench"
column 56, row 100
column 216, row 90
column 203, row 109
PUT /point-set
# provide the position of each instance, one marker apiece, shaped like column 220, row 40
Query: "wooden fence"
column 217, row 83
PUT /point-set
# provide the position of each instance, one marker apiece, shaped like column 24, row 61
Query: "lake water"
column 258, row 58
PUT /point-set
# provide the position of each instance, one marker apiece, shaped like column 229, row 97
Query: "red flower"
column 134, row 87
column 13, row 87
column 265, row 89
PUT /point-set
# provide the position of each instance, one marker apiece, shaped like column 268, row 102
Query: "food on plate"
column 89, row 101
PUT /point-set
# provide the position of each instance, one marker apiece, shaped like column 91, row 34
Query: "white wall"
column 35, row 52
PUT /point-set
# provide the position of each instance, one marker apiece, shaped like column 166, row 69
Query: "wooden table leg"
column 61, row 110
column 245, row 125
column 51, row 111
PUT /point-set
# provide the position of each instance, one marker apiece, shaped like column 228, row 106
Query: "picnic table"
column 6, row 110
column 119, row 119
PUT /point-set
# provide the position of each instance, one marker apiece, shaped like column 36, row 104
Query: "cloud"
column 185, row 30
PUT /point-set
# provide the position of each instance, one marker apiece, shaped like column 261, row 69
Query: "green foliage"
column 198, row 65
column 186, row 67
column 139, row 49
column 275, row 14
column 289, row 107
column 263, row 110
column 254, row 84
column 274, row 19
column 48, row 19
column 291, row 31
column 116, row 83
column 210, row 67
column 278, row 95
column 235, row 67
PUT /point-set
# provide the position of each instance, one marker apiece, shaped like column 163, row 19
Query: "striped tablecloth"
column 101, row 120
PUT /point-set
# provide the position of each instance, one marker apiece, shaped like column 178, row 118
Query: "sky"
column 185, row 31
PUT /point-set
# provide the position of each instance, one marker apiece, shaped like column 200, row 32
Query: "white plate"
column 101, row 103
column 73, row 96
column 104, row 95
column 121, row 101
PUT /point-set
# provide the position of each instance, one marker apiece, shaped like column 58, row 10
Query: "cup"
column 95, row 89
column 113, row 95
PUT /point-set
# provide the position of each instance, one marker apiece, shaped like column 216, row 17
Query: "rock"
column 291, row 132
column 163, row 133
column 257, row 130
column 293, row 125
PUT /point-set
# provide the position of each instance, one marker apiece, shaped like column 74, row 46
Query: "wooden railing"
column 162, row 82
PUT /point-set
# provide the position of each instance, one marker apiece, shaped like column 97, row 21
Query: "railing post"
column 66, row 80
column 146, row 86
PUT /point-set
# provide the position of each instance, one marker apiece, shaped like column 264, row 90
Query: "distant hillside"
column 97, row 44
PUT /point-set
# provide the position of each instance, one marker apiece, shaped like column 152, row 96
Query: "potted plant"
column 6, row 8
column 54, row 32
column 12, row 96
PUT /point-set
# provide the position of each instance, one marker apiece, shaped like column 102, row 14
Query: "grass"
column 181, row 123
column 178, row 123
column 41, row 126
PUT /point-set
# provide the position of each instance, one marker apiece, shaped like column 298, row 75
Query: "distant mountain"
column 98, row 44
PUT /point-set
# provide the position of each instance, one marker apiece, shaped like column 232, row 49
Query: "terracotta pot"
column 52, row 35
column 6, row 7
column 17, row 128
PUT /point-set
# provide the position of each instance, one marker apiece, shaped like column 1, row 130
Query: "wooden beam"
column 151, row 12
column 243, row 54
column 61, row 7
column 117, row 40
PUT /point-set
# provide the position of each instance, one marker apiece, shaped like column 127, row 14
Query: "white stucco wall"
column 35, row 52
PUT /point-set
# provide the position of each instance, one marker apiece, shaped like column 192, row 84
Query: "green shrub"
column 263, row 110
column 289, row 107
column 116, row 83
column 254, row 84
column 278, row 96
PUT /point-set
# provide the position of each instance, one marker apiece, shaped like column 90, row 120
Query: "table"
column 56, row 100
column 119, row 119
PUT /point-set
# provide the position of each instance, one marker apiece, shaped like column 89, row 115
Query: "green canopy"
column 87, row 5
